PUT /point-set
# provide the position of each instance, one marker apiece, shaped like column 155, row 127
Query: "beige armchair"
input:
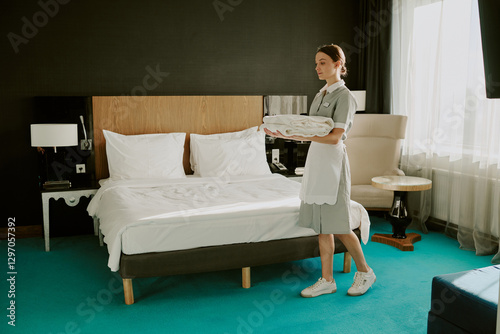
column 374, row 149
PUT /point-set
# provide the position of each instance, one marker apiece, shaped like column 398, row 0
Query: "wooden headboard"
column 133, row 115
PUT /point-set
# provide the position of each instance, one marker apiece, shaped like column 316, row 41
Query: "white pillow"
column 196, row 138
column 233, row 153
column 145, row 156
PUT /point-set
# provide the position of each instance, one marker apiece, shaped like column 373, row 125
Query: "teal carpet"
column 71, row 290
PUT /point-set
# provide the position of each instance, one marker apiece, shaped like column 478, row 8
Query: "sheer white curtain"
column 453, row 133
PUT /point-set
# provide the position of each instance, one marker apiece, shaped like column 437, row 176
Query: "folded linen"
column 298, row 125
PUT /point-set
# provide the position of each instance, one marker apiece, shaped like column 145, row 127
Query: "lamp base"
column 54, row 185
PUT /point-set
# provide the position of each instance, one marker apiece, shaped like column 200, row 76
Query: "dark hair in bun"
column 335, row 52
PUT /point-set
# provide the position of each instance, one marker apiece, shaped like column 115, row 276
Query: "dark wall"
column 84, row 48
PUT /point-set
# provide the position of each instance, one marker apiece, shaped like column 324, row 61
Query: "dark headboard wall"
column 197, row 47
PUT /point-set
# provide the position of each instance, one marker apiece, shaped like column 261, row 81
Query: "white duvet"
column 156, row 215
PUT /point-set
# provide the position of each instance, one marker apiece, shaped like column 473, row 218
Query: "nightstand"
column 71, row 197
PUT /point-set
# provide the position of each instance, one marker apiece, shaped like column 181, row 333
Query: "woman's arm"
column 332, row 138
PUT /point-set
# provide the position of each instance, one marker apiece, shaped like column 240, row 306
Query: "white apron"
column 322, row 173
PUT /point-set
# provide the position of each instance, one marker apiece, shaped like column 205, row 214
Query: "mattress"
column 159, row 215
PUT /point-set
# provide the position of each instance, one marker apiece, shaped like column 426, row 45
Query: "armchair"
column 374, row 149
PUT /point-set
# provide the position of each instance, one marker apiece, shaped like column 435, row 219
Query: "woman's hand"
column 278, row 134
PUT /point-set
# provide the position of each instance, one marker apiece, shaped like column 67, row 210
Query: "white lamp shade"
column 54, row 135
column 360, row 96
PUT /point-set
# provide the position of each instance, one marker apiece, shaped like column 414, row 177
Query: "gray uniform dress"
column 338, row 103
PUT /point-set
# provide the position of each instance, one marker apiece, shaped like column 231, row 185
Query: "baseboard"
column 30, row 231
column 377, row 213
column 438, row 225
column 450, row 229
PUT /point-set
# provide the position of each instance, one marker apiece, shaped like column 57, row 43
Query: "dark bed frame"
column 204, row 115
column 224, row 257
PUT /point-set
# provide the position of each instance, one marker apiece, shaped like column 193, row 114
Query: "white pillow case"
column 145, row 156
column 196, row 138
column 230, row 153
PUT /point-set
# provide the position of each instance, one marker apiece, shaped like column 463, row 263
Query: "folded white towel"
column 299, row 125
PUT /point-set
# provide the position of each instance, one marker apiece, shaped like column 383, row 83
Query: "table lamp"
column 360, row 96
column 54, row 135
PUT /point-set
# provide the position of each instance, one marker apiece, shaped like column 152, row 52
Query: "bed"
column 209, row 204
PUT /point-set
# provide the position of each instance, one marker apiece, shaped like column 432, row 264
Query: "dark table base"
column 399, row 219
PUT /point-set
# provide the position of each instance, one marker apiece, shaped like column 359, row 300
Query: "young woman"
column 326, row 184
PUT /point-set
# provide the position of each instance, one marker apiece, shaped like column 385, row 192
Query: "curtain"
column 372, row 44
column 453, row 132
column 377, row 18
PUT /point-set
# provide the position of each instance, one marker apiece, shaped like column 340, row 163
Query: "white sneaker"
column 362, row 282
column 321, row 287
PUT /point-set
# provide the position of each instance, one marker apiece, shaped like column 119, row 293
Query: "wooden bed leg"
column 128, row 291
column 347, row 262
column 96, row 226
column 245, row 277
column 101, row 243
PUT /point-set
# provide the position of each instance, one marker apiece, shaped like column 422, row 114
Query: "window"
column 443, row 79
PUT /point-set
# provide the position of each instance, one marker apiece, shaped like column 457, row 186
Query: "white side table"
column 71, row 197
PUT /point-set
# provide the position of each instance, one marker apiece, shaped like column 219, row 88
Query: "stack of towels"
column 298, row 125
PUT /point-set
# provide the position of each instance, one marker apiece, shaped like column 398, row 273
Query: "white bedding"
column 157, row 215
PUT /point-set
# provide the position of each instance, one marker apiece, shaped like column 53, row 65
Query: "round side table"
column 398, row 215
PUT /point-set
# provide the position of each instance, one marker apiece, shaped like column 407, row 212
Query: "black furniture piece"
column 464, row 302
